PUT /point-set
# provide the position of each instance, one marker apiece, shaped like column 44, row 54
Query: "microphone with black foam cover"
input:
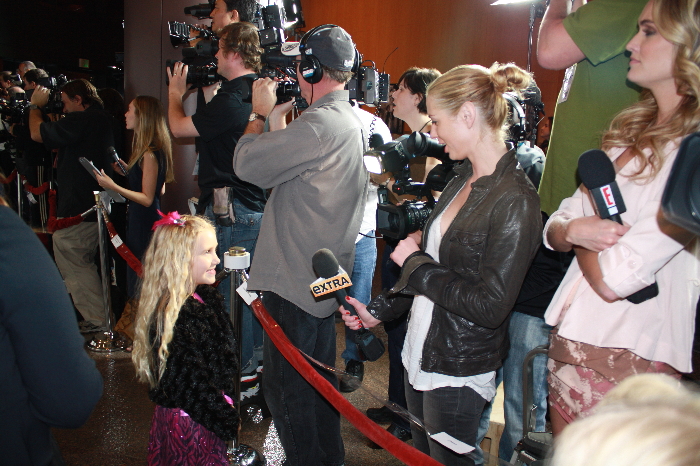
column 597, row 174
column 326, row 266
column 115, row 156
column 375, row 140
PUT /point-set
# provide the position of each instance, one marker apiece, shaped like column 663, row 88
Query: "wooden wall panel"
column 146, row 48
column 437, row 34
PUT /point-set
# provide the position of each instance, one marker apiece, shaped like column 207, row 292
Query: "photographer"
column 35, row 161
column 85, row 131
column 320, row 189
column 235, row 206
column 226, row 12
column 8, row 86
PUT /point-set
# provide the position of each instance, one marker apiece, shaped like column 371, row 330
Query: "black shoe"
column 356, row 369
column 398, row 432
column 381, row 415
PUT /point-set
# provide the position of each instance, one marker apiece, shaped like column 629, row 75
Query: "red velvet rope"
column 53, row 224
column 28, row 187
column 37, row 191
column 122, row 248
column 381, row 437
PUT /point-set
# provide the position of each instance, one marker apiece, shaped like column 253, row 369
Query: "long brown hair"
column 151, row 134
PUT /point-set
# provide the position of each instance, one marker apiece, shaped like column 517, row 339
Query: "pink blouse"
column 659, row 329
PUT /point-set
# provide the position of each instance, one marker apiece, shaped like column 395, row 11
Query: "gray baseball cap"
column 332, row 46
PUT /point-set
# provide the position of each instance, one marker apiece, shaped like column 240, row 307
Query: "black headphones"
column 309, row 66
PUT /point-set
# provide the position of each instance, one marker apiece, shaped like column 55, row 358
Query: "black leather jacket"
column 484, row 256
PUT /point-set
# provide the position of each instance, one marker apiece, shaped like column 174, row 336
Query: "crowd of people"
column 503, row 264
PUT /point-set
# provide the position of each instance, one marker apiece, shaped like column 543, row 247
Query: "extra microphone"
column 375, row 140
column 115, row 156
column 598, row 175
column 335, row 280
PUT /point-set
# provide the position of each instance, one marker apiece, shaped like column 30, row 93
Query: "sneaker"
column 249, row 389
column 356, row 369
column 89, row 327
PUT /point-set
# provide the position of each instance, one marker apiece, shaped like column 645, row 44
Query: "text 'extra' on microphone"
column 333, row 279
column 597, row 174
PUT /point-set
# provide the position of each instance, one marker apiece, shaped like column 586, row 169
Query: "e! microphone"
column 335, row 281
column 115, row 156
column 598, row 175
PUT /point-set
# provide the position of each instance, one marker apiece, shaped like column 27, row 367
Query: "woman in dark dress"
column 150, row 167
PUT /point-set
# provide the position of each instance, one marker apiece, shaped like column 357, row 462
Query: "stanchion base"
column 245, row 455
column 106, row 342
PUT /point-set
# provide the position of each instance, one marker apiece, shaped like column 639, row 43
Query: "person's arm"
column 180, row 124
column 149, row 179
column 589, row 265
column 264, row 100
column 555, row 48
column 592, row 233
column 40, row 97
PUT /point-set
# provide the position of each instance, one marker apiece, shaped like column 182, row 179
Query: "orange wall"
column 437, row 34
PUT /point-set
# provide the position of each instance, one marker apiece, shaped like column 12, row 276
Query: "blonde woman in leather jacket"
column 460, row 278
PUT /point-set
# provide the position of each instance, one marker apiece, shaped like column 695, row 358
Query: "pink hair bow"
column 173, row 218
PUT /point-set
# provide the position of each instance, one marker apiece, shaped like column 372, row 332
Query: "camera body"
column 54, row 104
column 13, row 110
column 369, row 86
column 398, row 221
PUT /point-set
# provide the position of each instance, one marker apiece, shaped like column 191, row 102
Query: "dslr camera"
column 398, row 221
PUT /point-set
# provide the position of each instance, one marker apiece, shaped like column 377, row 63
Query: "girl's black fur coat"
column 201, row 365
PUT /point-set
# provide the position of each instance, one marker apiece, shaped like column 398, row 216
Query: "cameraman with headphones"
column 320, row 187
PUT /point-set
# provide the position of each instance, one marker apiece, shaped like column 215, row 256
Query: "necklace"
column 424, row 125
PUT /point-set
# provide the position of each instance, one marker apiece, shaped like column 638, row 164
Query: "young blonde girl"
column 149, row 168
column 184, row 345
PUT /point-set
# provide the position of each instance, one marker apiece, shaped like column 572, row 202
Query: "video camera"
column 398, row 221
column 55, row 84
column 14, row 110
column 369, row 86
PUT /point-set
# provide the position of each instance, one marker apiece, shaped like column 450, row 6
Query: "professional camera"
column 369, row 86
column 271, row 21
column 200, row 57
column 394, row 157
column 13, row 110
column 180, row 33
column 54, row 104
column 197, row 75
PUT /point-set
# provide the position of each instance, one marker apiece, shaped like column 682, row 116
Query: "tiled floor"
column 117, row 432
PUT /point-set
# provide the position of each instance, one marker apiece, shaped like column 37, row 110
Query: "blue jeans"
column 525, row 333
column 454, row 410
column 243, row 232
column 308, row 426
column 361, row 289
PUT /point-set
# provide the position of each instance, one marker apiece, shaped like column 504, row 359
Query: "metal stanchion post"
column 236, row 261
column 107, row 341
